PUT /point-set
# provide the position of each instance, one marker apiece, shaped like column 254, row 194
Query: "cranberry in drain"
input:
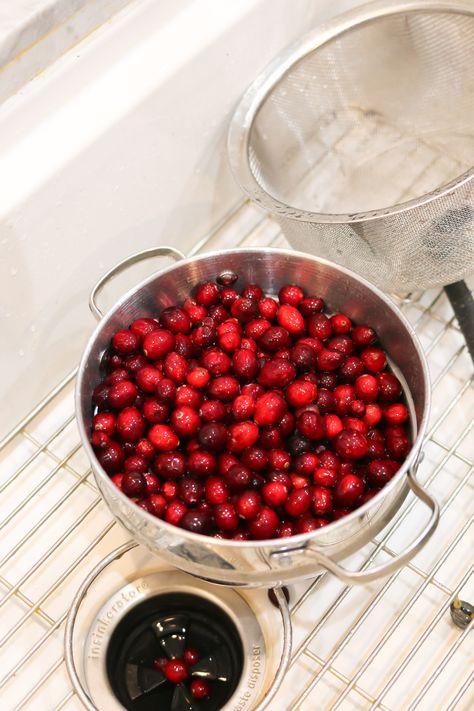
column 243, row 416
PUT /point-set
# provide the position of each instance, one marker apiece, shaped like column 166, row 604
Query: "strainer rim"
column 244, row 116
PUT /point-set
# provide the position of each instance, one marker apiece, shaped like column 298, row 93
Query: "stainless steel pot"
column 273, row 562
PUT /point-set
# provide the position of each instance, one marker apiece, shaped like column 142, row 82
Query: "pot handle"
column 124, row 264
column 362, row 576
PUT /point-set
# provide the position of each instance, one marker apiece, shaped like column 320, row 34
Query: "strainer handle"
column 124, row 264
column 363, row 576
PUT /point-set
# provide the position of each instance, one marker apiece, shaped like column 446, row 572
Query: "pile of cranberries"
column 245, row 417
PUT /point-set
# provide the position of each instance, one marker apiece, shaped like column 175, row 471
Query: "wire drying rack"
column 388, row 645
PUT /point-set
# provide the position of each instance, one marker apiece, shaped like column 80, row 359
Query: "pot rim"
column 291, row 542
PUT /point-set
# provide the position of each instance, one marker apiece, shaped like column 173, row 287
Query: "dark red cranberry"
column 122, row 394
column 191, row 656
column 201, row 463
column 135, row 463
column 242, row 435
column 363, row 336
column 290, row 294
column 327, row 380
column 130, row 424
column 311, row 305
column 104, row 422
column 116, row 376
column 243, row 407
column 133, row 484
column 216, row 362
column 199, row 689
column 325, row 401
column 166, row 390
column 319, row 326
column 189, row 490
column 125, row 342
column 342, row 344
column 329, row 459
column 228, row 296
column 134, row 363
column 305, row 464
column 163, row 438
column 329, row 360
column 297, row 444
column 311, row 425
column 351, row 369
column 225, row 517
column 380, row 471
column 207, row 293
column 252, row 291
column 245, row 309
column 213, row 436
column 170, row 465
column 270, row 437
column 306, row 524
column 100, row 440
column 158, row 343
column 287, row 424
column 245, row 365
column 226, row 461
column 176, row 320
column 325, row 477
column 390, row 389
column 303, row 357
column 278, row 373
column 351, row 444
column 111, row 457
column 344, row 396
column 184, row 345
column 155, row 411
column 299, row 501
column 176, row 671
column 255, row 458
column 274, row 339
column 264, row 525
column 225, row 388
column 348, row 490
column 212, row 410
column 204, row 336
column 238, row 477
column 153, row 484
column 397, row 443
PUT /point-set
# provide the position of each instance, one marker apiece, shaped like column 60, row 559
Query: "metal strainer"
column 360, row 140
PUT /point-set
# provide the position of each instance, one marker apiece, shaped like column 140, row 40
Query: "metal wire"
column 35, row 605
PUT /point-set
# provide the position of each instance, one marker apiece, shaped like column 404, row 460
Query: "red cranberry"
column 270, row 437
column 175, row 367
column 367, row 388
column 104, row 422
column 306, row 463
column 290, row 294
column 158, row 343
column 348, row 490
column 133, row 484
column 199, row 688
column 290, row 318
column 230, row 325
column 245, row 365
column 311, row 425
column 390, row 389
column 224, row 388
column 111, row 457
column 238, row 477
column 286, row 529
column 344, row 396
column 145, row 449
column 363, row 336
column 207, row 293
column 299, row 501
column 268, row 308
column 185, row 421
column 226, row 517
column 135, row 463
column 184, row 346
column 230, row 342
column 147, row 378
column 176, row 671
column 170, row 490
column 198, row 378
column 176, row 320
column 212, row 410
column 351, row 444
column 342, row 344
column 157, row 505
column 228, row 296
column 329, row 459
column 256, row 327
column 351, row 369
column 398, row 444
column 248, row 344
column 340, row 323
column 100, row 440
column 125, row 342
column 170, row 465
column 216, row 362
column 367, row 496
column 287, row 424
column 274, row 339
column 130, row 424
column 216, row 489
column 188, row 396
column 322, row 501
column 202, row 464
column 122, row 394
column 248, row 504
column 278, row 373
column 279, row 459
column 357, row 408
column 324, row 477
column 274, row 493
column 329, row 360
column 153, row 484
column 166, row 390
column 306, row 524
column 175, row 512
column 226, row 461
column 269, row 409
column 116, row 376
column 373, row 359
column 396, row 414
column 135, row 362
column 319, row 326
column 191, row 656
column 143, row 326
column 243, row 407
column 311, row 305
column 242, row 435
column 264, row 525
column 204, row 336
column 255, row 458
column 333, row 425
column 373, row 414
column 163, row 438
column 280, row 477
column 380, row 471
column 155, row 411
column 244, row 309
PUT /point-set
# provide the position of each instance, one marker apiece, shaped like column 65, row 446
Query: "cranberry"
column 207, row 293
column 199, row 688
column 145, row 449
column 230, row 342
column 122, row 394
column 175, row 367
column 135, row 362
column 125, row 342
column 157, row 505
column 398, row 444
column 175, row 511
column 143, row 326
column 310, row 305
column 248, row 344
column 166, row 390
column 327, row 380
column 373, row 359
column 276, row 374
column 216, row 361
column 319, row 326
column 170, row 465
column 216, row 489
column 201, row 463
column 306, row 463
column 357, row 408
column 286, row 529
column 268, row 308
column 135, row 463
column 100, row 440
column 396, row 414
column 322, row 501
column 373, row 414
column 213, row 436
column 130, row 424
column 270, row 437
column 153, row 484
column 291, row 319
column 287, row 424
column 380, row 471
column 248, row 504
column 299, row 501
column 269, row 409
column 325, row 401
column 224, row 388
column 363, row 336
column 111, row 457
column 306, row 524
column 290, row 294
column 176, row 320
column 198, row 378
column 147, row 378
column 329, row 360
column 191, row 656
column 190, row 490
column 264, row 525
column 133, row 484
column 238, row 477
column 226, row 461
column 324, row 477
column 176, row 671
column 348, row 490
column 256, row 327
column 158, row 343
column 297, row 444
column 116, row 376
column 351, row 444
column 226, row 517
column 244, row 309
column 185, row 421
column 212, row 410
column 311, row 425
column 169, row 490
column 351, row 369
column 333, row 425
column 228, row 296
column 280, row 477
column 274, row 493
column 303, row 357
column 242, row 435
column 274, row 339
column 245, row 365
column 163, row 438
column 389, row 387
column 279, row 459
column 186, row 395
column 155, row 411
column 255, row 458
column 340, row 323
column 104, row 422
column 329, row 459
column 342, row 344
column 344, row 395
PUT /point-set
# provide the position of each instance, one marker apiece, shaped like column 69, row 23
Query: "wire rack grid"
column 387, row 645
